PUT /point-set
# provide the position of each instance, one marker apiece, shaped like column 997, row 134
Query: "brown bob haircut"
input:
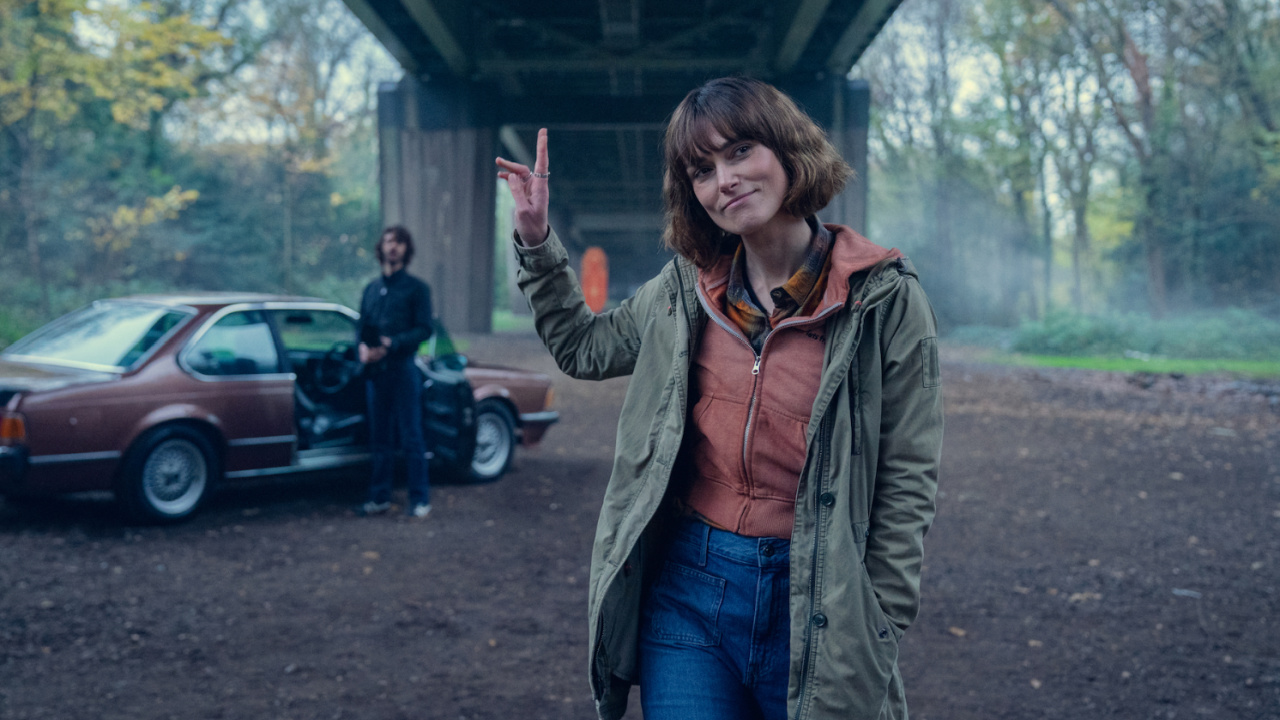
column 740, row 108
column 402, row 236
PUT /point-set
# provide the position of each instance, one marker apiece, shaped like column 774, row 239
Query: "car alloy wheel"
column 495, row 440
column 168, row 474
column 174, row 477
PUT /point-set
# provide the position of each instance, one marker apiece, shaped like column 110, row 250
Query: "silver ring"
column 544, row 175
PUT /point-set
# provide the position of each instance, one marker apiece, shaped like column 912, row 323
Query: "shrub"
column 1234, row 334
column 12, row 327
column 1066, row 333
column 986, row 336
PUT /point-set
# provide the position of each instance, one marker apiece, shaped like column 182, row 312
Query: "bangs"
column 741, row 109
column 689, row 135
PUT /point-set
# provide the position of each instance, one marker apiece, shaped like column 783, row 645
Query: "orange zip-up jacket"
column 745, row 444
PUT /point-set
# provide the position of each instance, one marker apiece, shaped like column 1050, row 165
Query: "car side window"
column 315, row 330
column 238, row 344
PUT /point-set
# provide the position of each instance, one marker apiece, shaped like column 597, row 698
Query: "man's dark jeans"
column 395, row 411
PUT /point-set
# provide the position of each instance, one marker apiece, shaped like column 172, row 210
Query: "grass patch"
column 1253, row 369
column 1232, row 334
column 1235, row 342
column 505, row 321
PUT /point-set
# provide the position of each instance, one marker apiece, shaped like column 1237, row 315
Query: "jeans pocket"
column 683, row 606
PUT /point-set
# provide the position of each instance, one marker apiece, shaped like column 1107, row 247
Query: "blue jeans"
column 715, row 628
column 395, row 410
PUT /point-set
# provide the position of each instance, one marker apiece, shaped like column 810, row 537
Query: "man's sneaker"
column 420, row 510
column 374, row 508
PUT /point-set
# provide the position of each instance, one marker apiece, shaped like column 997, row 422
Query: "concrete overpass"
column 603, row 75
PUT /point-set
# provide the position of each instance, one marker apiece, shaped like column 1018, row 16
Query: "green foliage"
column 1234, row 334
column 1244, row 368
column 507, row 321
column 983, row 336
column 12, row 327
column 113, row 178
column 1097, row 152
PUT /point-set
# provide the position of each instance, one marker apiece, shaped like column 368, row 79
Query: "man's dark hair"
column 401, row 236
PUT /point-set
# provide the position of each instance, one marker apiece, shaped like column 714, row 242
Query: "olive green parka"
column 865, row 498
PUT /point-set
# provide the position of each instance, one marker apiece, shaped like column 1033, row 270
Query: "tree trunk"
column 30, row 150
column 1018, row 286
column 1079, row 246
column 286, row 259
column 1046, row 217
column 939, row 94
column 1149, row 232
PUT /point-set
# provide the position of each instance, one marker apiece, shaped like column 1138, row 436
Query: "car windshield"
column 439, row 344
column 109, row 334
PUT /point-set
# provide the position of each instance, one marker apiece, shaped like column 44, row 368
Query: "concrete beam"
column 365, row 13
column 582, row 112
column 444, row 38
column 514, row 145
column 729, row 64
column 618, row 222
column 803, row 24
column 620, row 23
column 859, row 34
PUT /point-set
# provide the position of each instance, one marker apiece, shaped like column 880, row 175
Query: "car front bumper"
column 534, row 425
column 13, row 467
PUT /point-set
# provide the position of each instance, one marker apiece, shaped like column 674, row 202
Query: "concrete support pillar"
column 437, row 142
column 849, row 133
column 843, row 108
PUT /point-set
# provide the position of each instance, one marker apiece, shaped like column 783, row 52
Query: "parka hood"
column 851, row 253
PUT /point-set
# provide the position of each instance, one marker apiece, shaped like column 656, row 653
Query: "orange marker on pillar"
column 595, row 278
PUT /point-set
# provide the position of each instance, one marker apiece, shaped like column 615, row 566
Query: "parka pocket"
column 860, row 532
column 882, row 628
column 931, row 375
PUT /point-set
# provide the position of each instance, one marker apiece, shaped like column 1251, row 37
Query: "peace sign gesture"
column 530, row 193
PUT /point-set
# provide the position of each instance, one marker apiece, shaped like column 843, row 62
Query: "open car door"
column 448, row 413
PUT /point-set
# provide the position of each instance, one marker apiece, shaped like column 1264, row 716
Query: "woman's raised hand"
column 530, row 193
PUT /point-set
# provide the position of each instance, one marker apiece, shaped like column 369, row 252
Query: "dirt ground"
column 1106, row 546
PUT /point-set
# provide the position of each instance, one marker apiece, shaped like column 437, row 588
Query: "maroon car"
column 160, row 397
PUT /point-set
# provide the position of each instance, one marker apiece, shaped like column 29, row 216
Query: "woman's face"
column 740, row 184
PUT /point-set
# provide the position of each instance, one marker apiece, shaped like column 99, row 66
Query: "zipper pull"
column 755, row 369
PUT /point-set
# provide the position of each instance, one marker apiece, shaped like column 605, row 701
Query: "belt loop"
column 702, row 546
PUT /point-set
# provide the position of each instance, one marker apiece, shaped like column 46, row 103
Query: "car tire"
column 167, row 475
column 495, row 440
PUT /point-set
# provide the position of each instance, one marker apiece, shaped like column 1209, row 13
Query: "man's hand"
column 370, row 355
column 531, row 195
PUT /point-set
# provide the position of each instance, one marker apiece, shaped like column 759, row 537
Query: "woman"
column 759, row 547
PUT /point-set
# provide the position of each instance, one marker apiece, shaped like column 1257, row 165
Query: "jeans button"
column 820, row 620
column 767, row 551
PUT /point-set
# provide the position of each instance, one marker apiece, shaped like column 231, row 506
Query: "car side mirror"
column 453, row 361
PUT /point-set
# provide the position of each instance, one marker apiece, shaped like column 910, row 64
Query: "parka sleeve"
column 585, row 345
column 906, row 480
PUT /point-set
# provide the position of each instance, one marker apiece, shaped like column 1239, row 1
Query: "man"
column 395, row 318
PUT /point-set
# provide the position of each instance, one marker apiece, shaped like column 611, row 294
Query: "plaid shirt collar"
column 797, row 297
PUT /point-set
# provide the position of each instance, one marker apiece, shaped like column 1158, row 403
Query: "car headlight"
column 13, row 428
